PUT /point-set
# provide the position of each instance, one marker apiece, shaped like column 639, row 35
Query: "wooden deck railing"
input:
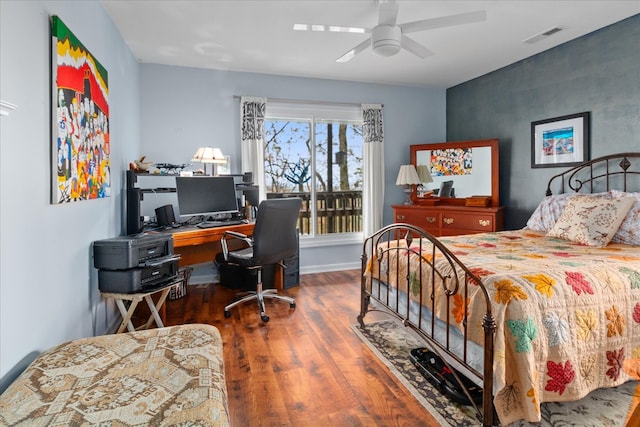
column 337, row 211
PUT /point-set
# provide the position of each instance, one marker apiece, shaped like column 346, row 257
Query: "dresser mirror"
column 473, row 166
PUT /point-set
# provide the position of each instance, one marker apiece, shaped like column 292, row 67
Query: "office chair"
column 274, row 240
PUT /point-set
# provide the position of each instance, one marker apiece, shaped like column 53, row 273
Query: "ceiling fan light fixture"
column 385, row 40
column 543, row 35
column 354, row 30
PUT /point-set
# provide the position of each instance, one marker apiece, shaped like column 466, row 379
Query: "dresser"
column 450, row 220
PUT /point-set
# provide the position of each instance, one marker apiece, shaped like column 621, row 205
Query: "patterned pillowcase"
column 550, row 208
column 629, row 231
column 591, row 220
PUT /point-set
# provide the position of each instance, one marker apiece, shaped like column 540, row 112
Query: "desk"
column 197, row 245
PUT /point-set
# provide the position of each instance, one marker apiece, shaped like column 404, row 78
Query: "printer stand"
column 135, row 299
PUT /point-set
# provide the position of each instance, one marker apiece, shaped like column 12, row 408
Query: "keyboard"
column 221, row 223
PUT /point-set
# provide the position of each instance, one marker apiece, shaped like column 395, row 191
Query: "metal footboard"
column 405, row 270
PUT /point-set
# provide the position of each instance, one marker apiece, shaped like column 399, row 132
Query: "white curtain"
column 373, row 168
column 252, row 111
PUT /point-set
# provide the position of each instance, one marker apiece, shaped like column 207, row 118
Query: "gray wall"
column 183, row 108
column 599, row 73
column 48, row 287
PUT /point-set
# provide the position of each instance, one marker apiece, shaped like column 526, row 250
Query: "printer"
column 137, row 263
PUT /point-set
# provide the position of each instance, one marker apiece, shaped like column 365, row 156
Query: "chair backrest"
column 275, row 234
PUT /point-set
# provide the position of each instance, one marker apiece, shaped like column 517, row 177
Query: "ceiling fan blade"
column 414, row 47
column 330, row 28
column 444, row 21
column 388, row 12
column 356, row 50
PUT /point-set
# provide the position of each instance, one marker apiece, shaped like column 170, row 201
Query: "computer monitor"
column 206, row 196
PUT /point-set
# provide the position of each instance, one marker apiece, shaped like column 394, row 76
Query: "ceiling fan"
column 388, row 37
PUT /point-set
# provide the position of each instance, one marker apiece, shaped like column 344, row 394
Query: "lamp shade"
column 424, row 174
column 407, row 175
column 209, row 155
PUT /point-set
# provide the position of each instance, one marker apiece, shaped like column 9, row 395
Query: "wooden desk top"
column 192, row 236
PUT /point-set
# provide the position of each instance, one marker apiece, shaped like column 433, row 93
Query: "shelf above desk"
column 158, row 190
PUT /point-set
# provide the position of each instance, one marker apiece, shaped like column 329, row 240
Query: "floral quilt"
column 567, row 315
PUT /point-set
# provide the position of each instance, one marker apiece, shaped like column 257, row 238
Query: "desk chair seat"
column 275, row 238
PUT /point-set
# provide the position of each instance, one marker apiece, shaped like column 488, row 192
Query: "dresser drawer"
column 449, row 220
column 472, row 222
column 427, row 220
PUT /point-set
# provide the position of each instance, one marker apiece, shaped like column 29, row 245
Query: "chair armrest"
column 235, row 234
column 228, row 235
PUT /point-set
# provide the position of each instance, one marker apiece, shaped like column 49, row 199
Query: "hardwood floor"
column 305, row 367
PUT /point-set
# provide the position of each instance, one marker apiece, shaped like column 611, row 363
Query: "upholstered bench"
column 166, row 376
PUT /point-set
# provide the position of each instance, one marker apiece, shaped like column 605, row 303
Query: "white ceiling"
column 257, row 36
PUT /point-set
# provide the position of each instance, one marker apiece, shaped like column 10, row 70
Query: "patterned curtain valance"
column 372, row 168
column 372, row 125
column 252, row 120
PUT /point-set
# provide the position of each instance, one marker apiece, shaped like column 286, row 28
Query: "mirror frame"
column 495, row 169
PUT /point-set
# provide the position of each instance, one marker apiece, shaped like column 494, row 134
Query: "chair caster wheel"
column 227, row 314
column 264, row 318
column 292, row 305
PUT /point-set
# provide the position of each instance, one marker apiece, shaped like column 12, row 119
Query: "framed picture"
column 80, row 148
column 561, row 141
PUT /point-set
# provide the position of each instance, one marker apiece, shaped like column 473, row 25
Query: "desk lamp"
column 408, row 176
column 209, row 155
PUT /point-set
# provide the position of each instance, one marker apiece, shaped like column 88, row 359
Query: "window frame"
column 315, row 113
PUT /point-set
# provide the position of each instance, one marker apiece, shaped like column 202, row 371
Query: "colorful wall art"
column 80, row 152
column 451, row 161
column 560, row 141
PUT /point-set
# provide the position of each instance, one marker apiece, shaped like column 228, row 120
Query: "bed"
column 546, row 313
column 157, row 377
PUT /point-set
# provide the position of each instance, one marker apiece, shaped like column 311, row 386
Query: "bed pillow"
column 629, row 231
column 591, row 220
column 550, row 209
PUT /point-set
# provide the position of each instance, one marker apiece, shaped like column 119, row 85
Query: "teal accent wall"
column 599, row 73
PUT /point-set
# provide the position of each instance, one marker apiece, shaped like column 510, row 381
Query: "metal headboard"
column 598, row 174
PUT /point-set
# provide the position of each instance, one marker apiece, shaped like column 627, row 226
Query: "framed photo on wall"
column 560, row 141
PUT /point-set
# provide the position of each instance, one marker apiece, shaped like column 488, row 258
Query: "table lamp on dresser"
column 408, row 176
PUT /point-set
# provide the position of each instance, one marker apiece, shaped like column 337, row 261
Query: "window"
column 315, row 153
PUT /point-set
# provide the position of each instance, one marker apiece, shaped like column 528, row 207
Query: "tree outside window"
column 321, row 162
